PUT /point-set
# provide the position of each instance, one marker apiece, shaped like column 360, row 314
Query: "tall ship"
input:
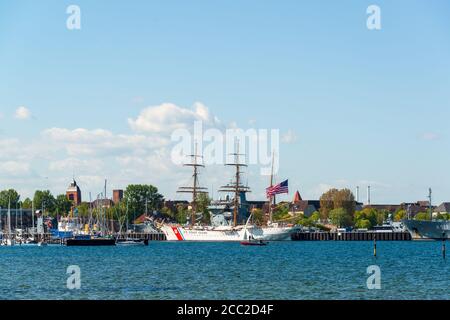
column 428, row 229
column 230, row 219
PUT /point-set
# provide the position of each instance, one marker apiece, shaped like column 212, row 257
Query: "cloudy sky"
column 353, row 106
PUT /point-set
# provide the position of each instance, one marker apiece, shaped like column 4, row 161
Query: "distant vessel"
column 129, row 242
column 428, row 229
column 433, row 230
column 223, row 230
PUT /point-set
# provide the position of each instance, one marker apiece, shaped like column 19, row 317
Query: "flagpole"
column 271, row 185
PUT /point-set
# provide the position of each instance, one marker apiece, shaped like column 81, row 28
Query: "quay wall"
column 352, row 236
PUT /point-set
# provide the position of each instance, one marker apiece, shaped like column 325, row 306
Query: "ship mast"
column 236, row 186
column 195, row 189
column 430, row 192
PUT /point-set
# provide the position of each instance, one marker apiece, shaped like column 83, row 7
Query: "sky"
column 354, row 107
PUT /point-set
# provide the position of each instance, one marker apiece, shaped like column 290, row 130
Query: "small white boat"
column 131, row 242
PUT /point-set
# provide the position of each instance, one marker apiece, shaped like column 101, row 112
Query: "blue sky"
column 362, row 107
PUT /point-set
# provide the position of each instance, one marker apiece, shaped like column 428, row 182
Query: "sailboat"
column 233, row 232
column 9, row 241
column 130, row 242
column 251, row 241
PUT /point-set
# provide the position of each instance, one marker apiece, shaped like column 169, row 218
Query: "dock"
column 352, row 236
column 49, row 238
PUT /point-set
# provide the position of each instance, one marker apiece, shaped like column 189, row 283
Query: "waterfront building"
column 412, row 208
column 443, row 208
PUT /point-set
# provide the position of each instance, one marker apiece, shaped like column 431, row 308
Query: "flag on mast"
column 280, row 188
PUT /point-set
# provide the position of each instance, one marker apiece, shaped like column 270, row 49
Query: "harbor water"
column 280, row 271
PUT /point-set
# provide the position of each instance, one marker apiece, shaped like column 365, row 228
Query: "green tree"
column 27, row 203
column 83, row 209
column 43, row 199
column 443, row 216
column 280, row 212
column 345, row 199
column 382, row 216
column 363, row 224
column 7, row 196
column 167, row 213
column 336, row 199
column 62, row 204
column 400, row 215
column 203, row 202
column 340, row 217
column 327, row 203
column 422, row 216
column 137, row 195
column 368, row 214
column 258, row 216
column 315, row 216
column 182, row 214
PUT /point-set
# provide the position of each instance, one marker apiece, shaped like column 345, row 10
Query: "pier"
column 49, row 238
column 351, row 236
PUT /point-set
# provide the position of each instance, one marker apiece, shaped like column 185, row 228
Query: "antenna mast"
column 430, row 193
column 195, row 189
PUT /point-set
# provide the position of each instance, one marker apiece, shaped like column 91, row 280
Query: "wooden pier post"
column 443, row 244
column 374, row 245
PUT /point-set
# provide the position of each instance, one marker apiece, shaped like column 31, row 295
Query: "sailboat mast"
column 9, row 219
column 236, row 193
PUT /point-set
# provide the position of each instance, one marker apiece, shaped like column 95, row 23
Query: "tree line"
column 138, row 199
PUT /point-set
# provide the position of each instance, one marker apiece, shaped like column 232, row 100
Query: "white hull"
column 227, row 234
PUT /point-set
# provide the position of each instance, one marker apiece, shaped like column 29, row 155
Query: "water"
column 281, row 271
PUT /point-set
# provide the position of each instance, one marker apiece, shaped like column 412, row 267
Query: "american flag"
column 278, row 189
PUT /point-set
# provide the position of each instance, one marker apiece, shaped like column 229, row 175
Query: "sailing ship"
column 223, row 232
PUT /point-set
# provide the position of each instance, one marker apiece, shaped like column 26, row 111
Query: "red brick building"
column 117, row 196
column 73, row 193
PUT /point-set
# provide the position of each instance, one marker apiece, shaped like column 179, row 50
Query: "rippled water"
column 291, row 270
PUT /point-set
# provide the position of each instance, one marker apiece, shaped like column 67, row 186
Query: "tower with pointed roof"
column 297, row 197
column 73, row 193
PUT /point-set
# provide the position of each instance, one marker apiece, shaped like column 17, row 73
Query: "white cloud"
column 169, row 117
column 101, row 142
column 22, row 113
column 14, row 168
column 289, row 137
column 77, row 165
